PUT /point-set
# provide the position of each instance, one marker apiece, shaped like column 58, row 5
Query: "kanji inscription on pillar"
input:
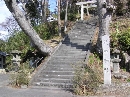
column 106, row 59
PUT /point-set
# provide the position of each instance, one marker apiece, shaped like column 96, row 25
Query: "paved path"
column 12, row 92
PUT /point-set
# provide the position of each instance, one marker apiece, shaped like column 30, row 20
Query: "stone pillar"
column 82, row 11
column 106, row 59
column 116, row 61
column 87, row 10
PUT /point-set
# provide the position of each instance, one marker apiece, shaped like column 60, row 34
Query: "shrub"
column 22, row 76
column 42, row 30
column 48, row 30
column 120, row 7
column 120, row 35
column 71, row 16
column 62, row 15
column 124, row 40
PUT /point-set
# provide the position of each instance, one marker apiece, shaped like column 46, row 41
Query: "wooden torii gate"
column 87, row 5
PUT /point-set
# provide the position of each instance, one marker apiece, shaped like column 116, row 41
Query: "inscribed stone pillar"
column 106, row 59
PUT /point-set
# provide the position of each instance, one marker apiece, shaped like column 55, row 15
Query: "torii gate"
column 87, row 5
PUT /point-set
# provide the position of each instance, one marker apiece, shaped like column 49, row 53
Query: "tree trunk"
column 59, row 21
column 26, row 27
column 104, row 21
column 44, row 10
column 66, row 14
column 105, row 10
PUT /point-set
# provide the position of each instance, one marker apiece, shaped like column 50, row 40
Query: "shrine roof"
column 3, row 53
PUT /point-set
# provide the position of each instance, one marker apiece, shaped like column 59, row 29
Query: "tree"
column 32, row 11
column 66, row 14
column 44, row 10
column 105, row 9
column 59, row 21
column 27, row 28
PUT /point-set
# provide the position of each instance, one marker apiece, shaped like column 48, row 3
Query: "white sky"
column 4, row 13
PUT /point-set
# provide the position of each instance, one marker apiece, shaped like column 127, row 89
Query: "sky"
column 4, row 13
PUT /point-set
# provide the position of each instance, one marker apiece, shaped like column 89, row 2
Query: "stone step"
column 63, row 65
column 65, row 62
column 79, row 33
column 73, row 45
column 55, row 68
column 51, row 88
column 58, row 72
column 65, row 57
column 56, row 85
column 56, row 76
column 60, row 69
column 78, row 49
column 76, row 37
column 55, row 80
column 79, row 42
column 75, row 52
column 72, row 54
column 73, row 48
column 77, row 56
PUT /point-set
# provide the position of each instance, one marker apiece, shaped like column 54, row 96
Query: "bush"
column 71, row 16
column 43, row 32
column 62, row 15
column 121, row 40
column 124, row 40
column 114, row 41
column 21, row 77
column 48, row 30
column 120, row 7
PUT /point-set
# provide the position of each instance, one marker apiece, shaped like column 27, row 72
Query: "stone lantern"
column 116, row 61
column 16, row 58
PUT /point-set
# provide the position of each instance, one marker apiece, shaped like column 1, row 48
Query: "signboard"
column 106, row 59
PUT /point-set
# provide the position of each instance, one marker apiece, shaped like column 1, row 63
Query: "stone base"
column 2, row 71
column 24, row 86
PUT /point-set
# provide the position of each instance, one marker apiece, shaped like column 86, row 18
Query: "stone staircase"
column 59, row 70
